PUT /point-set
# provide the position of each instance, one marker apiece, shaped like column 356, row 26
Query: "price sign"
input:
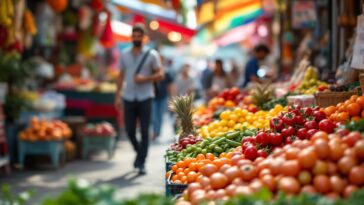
column 358, row 53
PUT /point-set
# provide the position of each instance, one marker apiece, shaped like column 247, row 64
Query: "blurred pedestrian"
column 140, row 67
column 184, row 82
column 164, row 89
column 235, row 73
column 251, row 69
column 220, row 79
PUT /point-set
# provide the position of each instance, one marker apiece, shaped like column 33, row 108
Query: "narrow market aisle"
column 117, row 171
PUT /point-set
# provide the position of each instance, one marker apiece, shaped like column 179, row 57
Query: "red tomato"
column 352, row 138
column 327, row 126
column 319, row 115
column 275, row 139
column 301, row 133
column 251, row 153
column 311, row 125
column 262, row 153
column 262, row 138
column 288, row 131
column 310, row 133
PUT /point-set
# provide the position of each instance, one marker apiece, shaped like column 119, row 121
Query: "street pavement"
column 117, row 171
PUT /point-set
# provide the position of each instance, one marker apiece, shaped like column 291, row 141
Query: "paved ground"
column 117, row 171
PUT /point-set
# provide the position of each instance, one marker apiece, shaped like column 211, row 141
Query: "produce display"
column 310, row 83
column 297, row 151
column 41, row 130
column 351, row 109
column 324, row 164
column 103, row 129
column 214, row 146
column 184, row 142
column 239, row 118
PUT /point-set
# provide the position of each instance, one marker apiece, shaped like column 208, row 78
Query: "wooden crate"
column 325, row 99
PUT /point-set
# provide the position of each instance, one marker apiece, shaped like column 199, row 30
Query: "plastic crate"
column 173, row 189
column 96, row 143
column 168, row 164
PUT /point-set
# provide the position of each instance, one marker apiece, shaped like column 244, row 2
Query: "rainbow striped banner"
column 230, row 14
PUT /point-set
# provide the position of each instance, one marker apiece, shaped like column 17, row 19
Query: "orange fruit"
column 180, row 175
column 354, row 98
column 179, row 170
column 192, row 166
column 353, row 109
column 186, row 171
column 174, row 168
column 342, row 108
column 181, row 164
column 360, row 101
column 174, row 178
column 355, row 118
column 330, row 110
column 362, row 114
column 343, row 116
column 210, row 156
column 200, row 157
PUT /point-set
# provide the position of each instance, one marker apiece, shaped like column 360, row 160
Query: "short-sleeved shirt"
column 128, row 64
column 251, row 68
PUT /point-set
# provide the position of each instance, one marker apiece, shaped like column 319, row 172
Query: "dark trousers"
column 134, row 111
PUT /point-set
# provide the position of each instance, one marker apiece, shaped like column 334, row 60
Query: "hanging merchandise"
column 86, row 44
column 97, row 5
column 6, row 12
column 304, row 14
column 107, row 39
column 358, row 57
column 98, row 24
column 85, row 17
column 29, row 23
column 58, row 5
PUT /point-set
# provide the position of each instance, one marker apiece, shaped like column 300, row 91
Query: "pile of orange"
column 351, row 109
column 191, row 169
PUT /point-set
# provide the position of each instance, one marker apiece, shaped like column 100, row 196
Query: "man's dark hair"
column 139, row 28
column 218, row 61
column 262, row 47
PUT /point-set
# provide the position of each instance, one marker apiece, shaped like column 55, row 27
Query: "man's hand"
column 118, row 104
column 139, row 79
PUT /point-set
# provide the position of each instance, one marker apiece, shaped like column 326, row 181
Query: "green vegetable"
column 218, row 149
column 219, row 141
column 232, row 135
column 233, row 143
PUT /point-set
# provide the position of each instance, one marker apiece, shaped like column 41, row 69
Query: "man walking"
column 140, row 68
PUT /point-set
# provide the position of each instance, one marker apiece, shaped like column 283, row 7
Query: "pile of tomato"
column 324, row 164
column 190, row 169
column 351, row 109
column 298, row 122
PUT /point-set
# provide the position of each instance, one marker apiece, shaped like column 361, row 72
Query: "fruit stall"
column 253, row 143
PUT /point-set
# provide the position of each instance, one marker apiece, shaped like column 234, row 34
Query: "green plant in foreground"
column 7, row 198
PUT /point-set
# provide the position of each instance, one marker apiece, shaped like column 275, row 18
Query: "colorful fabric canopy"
column 149, row 10
column 230, row 14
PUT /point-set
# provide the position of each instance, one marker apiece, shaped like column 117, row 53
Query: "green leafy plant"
column 7, row 198
column 14, row 72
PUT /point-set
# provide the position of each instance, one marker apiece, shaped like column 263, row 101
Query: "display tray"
column 53, row 148
column 97, row 143
column 173, row 189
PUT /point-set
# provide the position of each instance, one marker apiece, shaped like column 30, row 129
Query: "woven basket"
column 361, row 80
column 325, row 99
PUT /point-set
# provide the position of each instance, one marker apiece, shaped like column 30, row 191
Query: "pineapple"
column 261, row 94
column 182, row 106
